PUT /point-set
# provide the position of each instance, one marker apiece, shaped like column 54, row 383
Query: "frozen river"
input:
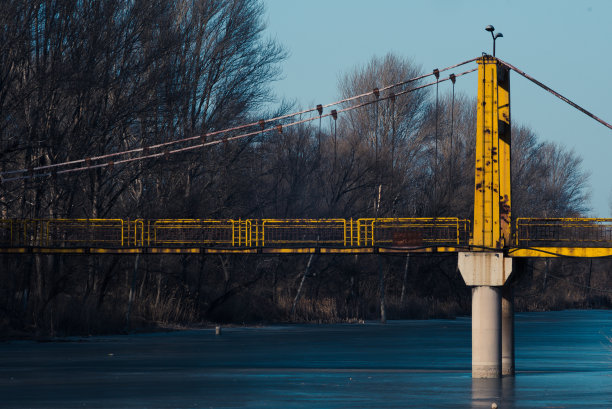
column 563, row 360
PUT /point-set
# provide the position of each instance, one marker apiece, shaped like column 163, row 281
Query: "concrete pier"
column 507, row 321
column 487, row 273
column 486, row 332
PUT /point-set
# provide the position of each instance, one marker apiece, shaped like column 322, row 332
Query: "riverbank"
column 9, row 334
column 336, row 290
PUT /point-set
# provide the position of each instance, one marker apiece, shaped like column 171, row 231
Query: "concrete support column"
column 486, row 273
column 507, row 319
column 486, row 332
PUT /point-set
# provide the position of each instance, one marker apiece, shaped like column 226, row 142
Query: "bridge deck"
column 532, row 237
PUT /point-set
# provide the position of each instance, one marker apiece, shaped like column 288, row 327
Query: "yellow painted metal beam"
column 173, row 250
column 306, row 250
column 14, row 250
column 437, row 249
column 134, row 250
column 52, row 250
column 237, row 250
column 351, row 250
column 584, row 252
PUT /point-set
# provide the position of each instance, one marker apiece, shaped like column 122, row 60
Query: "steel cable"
column 214, row 133
column 205, row 144
column 561, row 97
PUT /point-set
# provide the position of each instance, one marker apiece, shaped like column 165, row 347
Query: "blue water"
column 563, row 360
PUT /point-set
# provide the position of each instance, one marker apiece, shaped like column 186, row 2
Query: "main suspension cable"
column 167, row 153
column 205, row 136
column 555, row 93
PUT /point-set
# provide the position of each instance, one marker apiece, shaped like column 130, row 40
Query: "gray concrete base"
column 486, row 273
column 483, row 268
column 486, row 332
column 507, row 320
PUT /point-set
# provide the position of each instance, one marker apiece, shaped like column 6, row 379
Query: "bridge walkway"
column 532, row 237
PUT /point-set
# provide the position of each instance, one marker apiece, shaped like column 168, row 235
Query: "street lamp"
column 490, row 29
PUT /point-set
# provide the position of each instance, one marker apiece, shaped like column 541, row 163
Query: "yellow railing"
column 563, row 232
column 412, row 231
column 247, row 233
column 7, row 232
column 311, row 232
column 188, row 232
column 364, row 232
column 83, row 232
column 63, row 232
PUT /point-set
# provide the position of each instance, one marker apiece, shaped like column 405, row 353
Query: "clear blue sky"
column 565, row 44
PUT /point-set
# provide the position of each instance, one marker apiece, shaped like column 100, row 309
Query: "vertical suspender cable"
column 334, row 115
column 435, row 184
column 262, row 125
column 451, row 153
column 393, row 141
column 320, row 110
column 377, row 173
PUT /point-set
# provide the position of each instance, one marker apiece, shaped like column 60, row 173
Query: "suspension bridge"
column 485, row 245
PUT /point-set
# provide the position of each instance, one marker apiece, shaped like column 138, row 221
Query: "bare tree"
column 81, row 79
column 379, row 148
column 547, row 179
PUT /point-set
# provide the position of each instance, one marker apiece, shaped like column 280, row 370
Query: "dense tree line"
column 80, row 79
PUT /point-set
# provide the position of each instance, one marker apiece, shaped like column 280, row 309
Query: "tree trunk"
column 381, row 278
column 545, row 277
column 132, row 291
column 299, row 291
column 588, row 283
column 158, row 296
column 404, row 280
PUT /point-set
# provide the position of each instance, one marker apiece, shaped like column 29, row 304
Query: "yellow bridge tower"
column 485, row 268
column 492, row 183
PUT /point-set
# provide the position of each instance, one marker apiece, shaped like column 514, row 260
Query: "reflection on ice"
column 486, row 392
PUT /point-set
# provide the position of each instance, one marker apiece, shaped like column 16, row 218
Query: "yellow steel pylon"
column 492, row 223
